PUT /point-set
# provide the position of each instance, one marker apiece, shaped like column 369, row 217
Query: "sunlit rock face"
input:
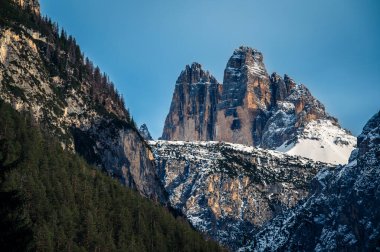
column 227, row 190
column 193, row 109
column 254, row 108
column 342, row 212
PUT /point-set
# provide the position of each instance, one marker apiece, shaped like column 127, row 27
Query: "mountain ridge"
column 341, row 213
column 252, row 108
column 43, row 72
column 227, row 190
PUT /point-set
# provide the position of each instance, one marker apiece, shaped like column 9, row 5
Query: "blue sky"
column 332, row 46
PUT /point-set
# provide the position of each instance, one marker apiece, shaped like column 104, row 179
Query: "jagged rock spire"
column 195, row 74
column 192, row 113
column 251, row 107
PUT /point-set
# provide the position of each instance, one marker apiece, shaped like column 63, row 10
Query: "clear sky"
column 332, row 46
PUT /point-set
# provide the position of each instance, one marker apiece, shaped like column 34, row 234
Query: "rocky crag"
column 228, row 190
column 254, row 108
column 43, row 72
column 342, row 213
column 194, row 105
column 144, row 132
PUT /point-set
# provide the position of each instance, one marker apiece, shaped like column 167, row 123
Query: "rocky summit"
column 194, row 106
column 254, row 108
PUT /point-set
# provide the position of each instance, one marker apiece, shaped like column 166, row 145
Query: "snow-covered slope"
column 342, row 213
column 323, row 141
column 227, row 190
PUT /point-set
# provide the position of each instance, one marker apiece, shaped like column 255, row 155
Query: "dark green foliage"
column 74, row 207
column 15, row 231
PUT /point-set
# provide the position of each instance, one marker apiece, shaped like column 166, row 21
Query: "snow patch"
column 323, row 141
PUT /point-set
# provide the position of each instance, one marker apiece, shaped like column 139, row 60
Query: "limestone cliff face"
column 193, row 109
column 98, row 129
column 245, row 98
column 251, row 107
column 228, row 190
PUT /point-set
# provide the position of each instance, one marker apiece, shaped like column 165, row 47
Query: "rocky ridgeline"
column 45, row 76
column 251, row 108
column 342, row 213
column 229, row 190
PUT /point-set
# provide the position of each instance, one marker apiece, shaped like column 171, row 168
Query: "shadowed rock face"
column 342, row 213
column 251, row 107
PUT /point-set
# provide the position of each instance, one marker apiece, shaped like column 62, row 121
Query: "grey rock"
column 250, row 108
column 227, row 190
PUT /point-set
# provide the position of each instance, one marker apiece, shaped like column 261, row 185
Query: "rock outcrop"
column 71, row 101
column 342, row 213
column 227, row 190
column 193, row 109
column 250, row 108
column 144, row 132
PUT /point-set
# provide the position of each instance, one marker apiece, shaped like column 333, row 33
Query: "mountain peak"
column 252, row 107
column 247, row 50
column 144, row 132
column 245, row 62
column 194, row 74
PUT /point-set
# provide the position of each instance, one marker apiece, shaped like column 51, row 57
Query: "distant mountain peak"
column 145, row 132
column 251, row 107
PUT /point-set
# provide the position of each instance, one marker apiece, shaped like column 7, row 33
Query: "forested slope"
column 67, row 205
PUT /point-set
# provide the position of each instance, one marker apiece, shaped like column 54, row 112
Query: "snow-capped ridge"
column 226, row 189
column 321, row 140
column 341, row 213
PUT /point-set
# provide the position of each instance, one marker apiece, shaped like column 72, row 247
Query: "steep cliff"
column 342, row 213
column 227, row 190
column 193, row 109
column 254, row 108
column 44, row 73
column 245, row 98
